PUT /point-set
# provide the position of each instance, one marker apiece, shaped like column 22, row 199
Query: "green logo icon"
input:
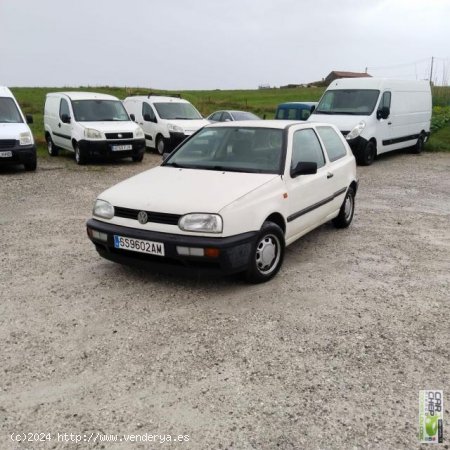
column 431, row 425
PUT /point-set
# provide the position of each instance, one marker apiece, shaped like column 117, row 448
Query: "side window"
column 333, row 143
column 306, row 148
column 385, row 100
column 216, row 116
column 147, row 109
column 64, row 108
column 225, row 117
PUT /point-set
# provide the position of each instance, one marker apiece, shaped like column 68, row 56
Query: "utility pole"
column 431, row 71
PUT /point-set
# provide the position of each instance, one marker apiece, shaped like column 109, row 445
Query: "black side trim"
column 64, row 136
column 316, row 205
column 401, row 139
column 148, row 137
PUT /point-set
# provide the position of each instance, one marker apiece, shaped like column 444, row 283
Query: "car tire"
column 418, row 148
column 367, row 154
column 160, row 144
column 52, row 149
column 80, row 156
column 345, row 216
column 138, row 158
column 267, row 254
column 30, row 166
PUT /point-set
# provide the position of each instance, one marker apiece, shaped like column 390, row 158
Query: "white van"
column 166, row 121
column 90, row 124
column 16, row 140
column 377, row 115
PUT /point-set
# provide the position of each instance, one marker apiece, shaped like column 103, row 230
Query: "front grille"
column 7, row 143
column 119, row 135
column 155, row 217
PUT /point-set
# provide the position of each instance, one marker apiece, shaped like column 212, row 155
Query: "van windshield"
column 358, row 102
column 9, row 113
column 99, row 111
column 173, row 110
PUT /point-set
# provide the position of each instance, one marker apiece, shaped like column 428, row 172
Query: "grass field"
column 262, row 102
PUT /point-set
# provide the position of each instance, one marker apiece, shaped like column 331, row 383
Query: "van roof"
column 5, row 92
column 158, row 99
column 84, row 95
column 379, row 83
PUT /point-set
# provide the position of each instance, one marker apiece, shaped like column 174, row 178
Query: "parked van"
column 16, row 140
column 294, row 110
column 90, row 124
column 377, row 115
column 166, row 121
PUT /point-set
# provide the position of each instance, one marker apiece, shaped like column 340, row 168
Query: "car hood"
column 343, row 122
column 190, row 126
column 111, row 126
column 12, row 130
column 181, row 191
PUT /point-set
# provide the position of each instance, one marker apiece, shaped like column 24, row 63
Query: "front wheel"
column 366, row 155
column 267, row 255
column 30, row 166
column 138, row 158
column 160, row 145
column 80, row 157
column 345, row 216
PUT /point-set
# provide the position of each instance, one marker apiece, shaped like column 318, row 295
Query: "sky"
column 207, row 44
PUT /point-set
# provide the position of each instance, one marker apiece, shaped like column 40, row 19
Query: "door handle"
column 389, row 123
column 141, row 123
column 59, row 124
column 330, row 175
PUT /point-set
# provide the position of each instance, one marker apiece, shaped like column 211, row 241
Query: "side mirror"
column 29, row 118
column 313, row 108
column 133, row 117
column 304, row 168
column 383, row 113
column 65, row 118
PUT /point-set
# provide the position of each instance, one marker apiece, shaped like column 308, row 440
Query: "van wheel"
column 30, row 166
column 345, row 216
column 366, row 155
column 51, row 147
column 138, row 158
column 267, row 254
column 160, row 144
column 80, row 157
column 418, row 148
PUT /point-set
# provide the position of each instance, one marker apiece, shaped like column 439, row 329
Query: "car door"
column 385, row 126
column 148, row 124
column 63, row 133
column 308, row 195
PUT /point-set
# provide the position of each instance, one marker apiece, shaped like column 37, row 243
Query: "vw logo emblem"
column 142, row 217
column 119, row 135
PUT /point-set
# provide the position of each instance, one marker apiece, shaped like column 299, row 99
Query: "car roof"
column 158, row 99
column 297, row 103
column 280, row 124
column 5, row 92
column 85, row 95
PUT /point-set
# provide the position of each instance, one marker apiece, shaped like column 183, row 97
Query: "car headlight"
column 103, row 209
column 90, row 133
column 174, row 128
column 26, row 138
column 139, row 133
column 356, row 130
column 202, row 223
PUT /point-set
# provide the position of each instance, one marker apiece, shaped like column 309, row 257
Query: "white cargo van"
column 377, row 115
column 16, row 141
column 90, row 124
column 166, row 121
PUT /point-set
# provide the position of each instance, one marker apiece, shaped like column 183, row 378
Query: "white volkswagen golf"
column 230, row 198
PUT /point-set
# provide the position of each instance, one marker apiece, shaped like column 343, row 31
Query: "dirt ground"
column 331, row 354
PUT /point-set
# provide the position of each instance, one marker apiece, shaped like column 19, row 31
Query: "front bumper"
column 174, row 140
column 18, row 154
column 105, row 148
column 234, row 251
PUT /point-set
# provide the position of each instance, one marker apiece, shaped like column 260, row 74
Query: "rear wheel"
column 267, row 255
column 366, row 155
column 345, row 216
column 80, row 156
column 418, row 148
column 51, row 147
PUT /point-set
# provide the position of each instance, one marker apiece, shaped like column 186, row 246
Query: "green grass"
column 262, row 102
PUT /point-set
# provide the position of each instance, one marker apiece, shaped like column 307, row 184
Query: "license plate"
column 5, row 154
column 139, row 245
column 120, row 148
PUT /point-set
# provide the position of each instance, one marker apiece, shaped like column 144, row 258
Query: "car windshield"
column 234, row 149
column 358, row 102
column 242, row 115
column 99, row 111
column 9, row 113
column 177, row 110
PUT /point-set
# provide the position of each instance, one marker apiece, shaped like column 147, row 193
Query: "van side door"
column 63, row 131
column 148, row 123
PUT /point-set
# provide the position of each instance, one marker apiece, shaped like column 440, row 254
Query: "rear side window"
column 333, row 143
column 64, row 108
column 306, row 148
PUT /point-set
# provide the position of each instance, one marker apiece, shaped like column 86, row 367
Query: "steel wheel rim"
column 77, row 154
column 267, row 254
column 160, row 146
column 49, row 147
column 348, row 207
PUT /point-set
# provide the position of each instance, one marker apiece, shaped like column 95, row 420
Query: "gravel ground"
column 331, row 354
